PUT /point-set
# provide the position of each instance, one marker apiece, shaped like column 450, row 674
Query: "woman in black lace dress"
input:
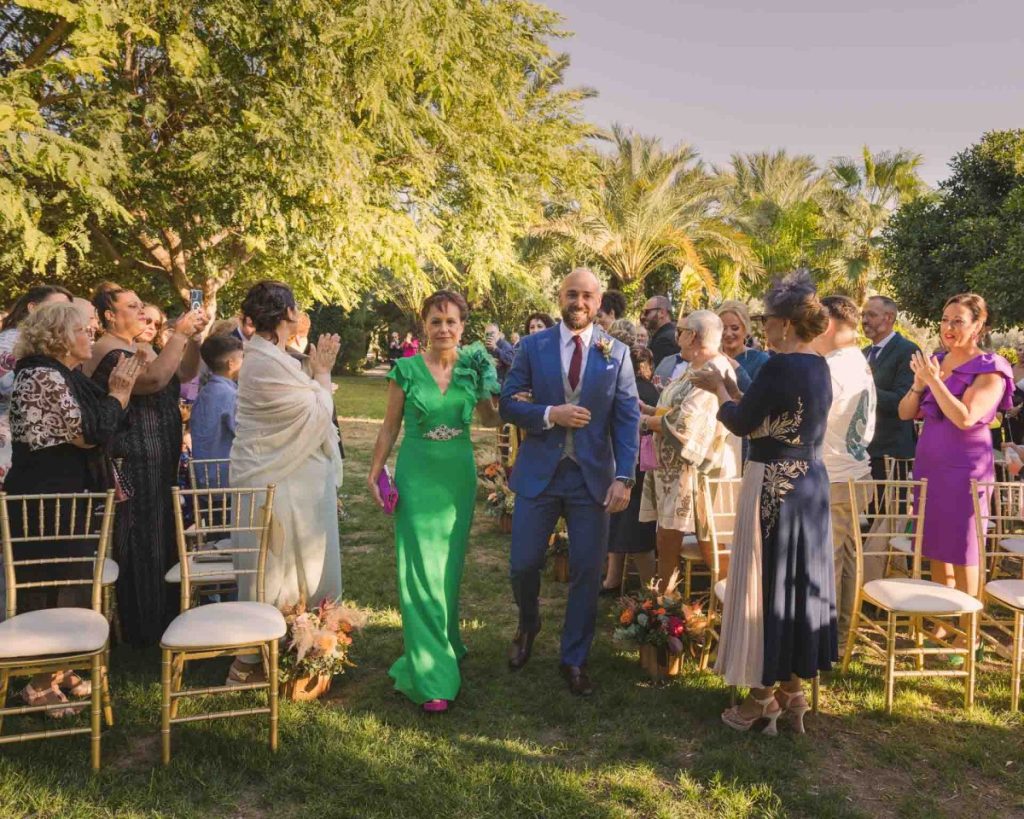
column 146, row 455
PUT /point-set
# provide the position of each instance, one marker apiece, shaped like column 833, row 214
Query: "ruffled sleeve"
column 992, row 363
column 475, row 370
column 404, row 377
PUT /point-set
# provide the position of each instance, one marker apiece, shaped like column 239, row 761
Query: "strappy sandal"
column 735, row 719
column 76, row 686
column 48, row 696
column 795, row 705
column 242, row 673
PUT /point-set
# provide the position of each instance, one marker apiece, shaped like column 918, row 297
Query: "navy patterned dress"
column 779, row 616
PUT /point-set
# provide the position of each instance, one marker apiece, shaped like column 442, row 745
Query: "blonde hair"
column 623, row 330
column 48, row 330
column 741, row 311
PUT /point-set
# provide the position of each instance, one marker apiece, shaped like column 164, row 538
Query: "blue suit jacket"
column 606, row 448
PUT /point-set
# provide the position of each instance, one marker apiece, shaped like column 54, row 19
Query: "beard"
column 576, row 318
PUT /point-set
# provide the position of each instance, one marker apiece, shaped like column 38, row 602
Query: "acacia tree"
column 969, row 237
column 653, row 209
column 863, row 195
column 320, row 143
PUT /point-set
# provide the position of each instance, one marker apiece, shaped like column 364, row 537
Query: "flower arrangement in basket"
column 316, row 647
column 664, row 627
column 500, row 500
column 558, row 551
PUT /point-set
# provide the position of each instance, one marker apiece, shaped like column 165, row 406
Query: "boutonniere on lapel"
column 604, row 345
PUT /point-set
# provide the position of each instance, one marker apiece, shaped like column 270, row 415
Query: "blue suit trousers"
column 533, row 521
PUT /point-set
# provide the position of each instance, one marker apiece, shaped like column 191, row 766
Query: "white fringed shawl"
column 283, row 417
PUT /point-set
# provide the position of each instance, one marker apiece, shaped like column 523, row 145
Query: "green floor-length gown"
column 436, row 480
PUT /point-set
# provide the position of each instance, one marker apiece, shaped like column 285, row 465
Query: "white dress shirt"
column 566, row 349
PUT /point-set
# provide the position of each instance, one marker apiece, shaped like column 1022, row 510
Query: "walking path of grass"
column 518, row 744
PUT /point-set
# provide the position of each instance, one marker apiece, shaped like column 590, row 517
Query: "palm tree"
column 654, row 209
column 864, row 194
column 775, row 199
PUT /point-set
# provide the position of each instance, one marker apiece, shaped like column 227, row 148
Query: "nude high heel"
column 795, row 704
column 735, row 720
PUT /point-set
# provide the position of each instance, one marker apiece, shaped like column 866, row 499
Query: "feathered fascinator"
column 790, row 291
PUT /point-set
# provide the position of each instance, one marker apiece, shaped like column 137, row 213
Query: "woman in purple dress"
column 957, row 393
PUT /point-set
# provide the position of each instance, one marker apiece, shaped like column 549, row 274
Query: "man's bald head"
column 657, row 313
column 579, row 298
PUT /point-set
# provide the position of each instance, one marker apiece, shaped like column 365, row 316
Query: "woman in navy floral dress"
column 779, row 617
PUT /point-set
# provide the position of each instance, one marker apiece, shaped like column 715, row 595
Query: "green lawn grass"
column 519, row 744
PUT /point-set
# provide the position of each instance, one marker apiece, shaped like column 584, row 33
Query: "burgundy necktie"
column 576, row 364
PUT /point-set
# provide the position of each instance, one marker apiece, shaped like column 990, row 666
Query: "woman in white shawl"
column 285, row 435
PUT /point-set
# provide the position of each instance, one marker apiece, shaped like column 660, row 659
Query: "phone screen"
column 195, row 298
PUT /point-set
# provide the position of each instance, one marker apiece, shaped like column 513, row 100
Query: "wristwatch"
column 629, row 483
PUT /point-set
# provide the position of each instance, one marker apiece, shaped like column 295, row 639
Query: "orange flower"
column 659, row 611
column 626, row 618
column 647, row 605
column 326, row 642
column 345, row 626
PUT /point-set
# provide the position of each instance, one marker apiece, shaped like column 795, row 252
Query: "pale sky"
column 820, row 77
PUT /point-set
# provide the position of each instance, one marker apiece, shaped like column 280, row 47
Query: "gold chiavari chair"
column 1000, row 541
column 56, row 639
column 718, row 500
column 208, row 575
column 900, row 609
column 222, row 629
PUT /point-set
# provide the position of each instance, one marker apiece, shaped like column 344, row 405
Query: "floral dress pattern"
column 692, row 440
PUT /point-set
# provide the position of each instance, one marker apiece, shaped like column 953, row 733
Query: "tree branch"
column 54, row 38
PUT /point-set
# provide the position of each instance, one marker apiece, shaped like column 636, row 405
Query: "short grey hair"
column 888, row 304
column 706, row 326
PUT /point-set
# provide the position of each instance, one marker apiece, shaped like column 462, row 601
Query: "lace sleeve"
column 44, row 412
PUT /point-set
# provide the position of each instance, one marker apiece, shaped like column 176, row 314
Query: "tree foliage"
column 858, row 204
column 339, row 146
column 654, row 209
column 776, row 200
column 968, row 238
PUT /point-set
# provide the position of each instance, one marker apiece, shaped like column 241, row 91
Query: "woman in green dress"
column 434, row 393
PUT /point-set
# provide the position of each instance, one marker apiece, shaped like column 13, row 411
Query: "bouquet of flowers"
column 318, row 639
column 501, row 500
column 661, row 620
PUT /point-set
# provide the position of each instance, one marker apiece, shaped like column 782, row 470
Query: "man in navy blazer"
column 581, row 419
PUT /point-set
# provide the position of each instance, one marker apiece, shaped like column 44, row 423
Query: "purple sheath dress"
column 950, row 458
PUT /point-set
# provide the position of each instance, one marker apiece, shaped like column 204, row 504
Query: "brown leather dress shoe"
column 520, row 649
column 579, row 682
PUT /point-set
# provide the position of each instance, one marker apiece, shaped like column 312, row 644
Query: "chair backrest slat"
column 25, row 523
column 889, row 512
column 998, row 516
column 241, row 510
column 719, row 498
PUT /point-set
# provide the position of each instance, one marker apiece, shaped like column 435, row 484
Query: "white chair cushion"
column 720, row 589
column 53, row 631
column 1008, row 592
column 691, row 550
column 901, row 543
column 110, row 571
column 1013, row 544
column 909, row 595
column 225, row 624
column 221, row 571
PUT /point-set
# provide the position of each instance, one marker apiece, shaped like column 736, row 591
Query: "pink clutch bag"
column 388, row 491
column 648, row 454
